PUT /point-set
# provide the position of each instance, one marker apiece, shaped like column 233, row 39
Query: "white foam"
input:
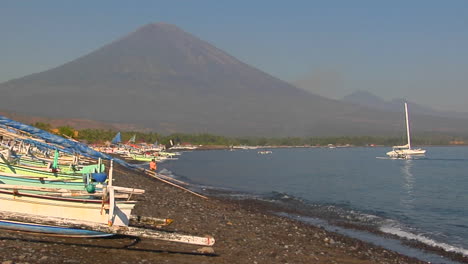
column 403, row 234
column 388, row 243
column 166, row 172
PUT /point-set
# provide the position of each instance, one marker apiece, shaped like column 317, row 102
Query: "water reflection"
column 407, row 199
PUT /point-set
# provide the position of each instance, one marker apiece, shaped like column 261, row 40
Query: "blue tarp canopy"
column 76, row 147
column 43, row 145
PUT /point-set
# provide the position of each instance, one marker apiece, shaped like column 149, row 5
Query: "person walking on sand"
column 153, row 166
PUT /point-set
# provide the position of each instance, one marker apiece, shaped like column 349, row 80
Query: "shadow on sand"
column 114, row 242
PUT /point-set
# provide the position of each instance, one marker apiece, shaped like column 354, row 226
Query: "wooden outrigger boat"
column 50, row 229
column 62, row 169
column 91, row 210
column 59, row 213
column 47, row 166
column 143, row 157
column 55, row 165
column 50, row 183
column 57, row 198
column 12, row 170
column 46, row 203
column 62, row 160
column 104, row 229
column 78, row 217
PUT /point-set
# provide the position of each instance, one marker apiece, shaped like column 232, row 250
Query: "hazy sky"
column 415, row 49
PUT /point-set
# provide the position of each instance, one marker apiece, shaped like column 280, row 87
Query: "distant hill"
column 72, row 122
column 162, row 78
column 368, row 99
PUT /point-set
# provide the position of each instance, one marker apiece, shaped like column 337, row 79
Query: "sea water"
column 424, row 199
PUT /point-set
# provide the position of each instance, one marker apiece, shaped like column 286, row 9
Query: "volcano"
column 162, row 78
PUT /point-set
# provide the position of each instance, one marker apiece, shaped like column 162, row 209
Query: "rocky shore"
column 245, row 232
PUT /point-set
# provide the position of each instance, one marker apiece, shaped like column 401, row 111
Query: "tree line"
column 103, row 136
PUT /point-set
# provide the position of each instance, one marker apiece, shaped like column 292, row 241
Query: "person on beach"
column 153, row 166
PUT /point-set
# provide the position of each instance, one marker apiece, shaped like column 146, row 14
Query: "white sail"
column 407, row 126
column 405, row 151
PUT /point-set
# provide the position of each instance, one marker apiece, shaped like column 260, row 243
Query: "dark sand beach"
column 245, row 232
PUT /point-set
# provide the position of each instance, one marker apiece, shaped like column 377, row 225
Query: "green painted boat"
column 12, row 170
column 41, row 165
column 80, row 186
column 143, row 157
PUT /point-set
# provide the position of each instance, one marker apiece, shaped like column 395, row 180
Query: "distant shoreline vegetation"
column 104, row 136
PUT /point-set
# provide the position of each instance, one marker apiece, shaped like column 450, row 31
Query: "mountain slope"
column 162, row 78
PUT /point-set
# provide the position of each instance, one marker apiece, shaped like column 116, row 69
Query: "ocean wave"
column 394, row 230
column 323, row 215
column 167, row 172
column 388, row 243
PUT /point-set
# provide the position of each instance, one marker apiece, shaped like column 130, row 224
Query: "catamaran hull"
column 410, row 152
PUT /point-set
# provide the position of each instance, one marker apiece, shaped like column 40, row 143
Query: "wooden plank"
column 121, row 230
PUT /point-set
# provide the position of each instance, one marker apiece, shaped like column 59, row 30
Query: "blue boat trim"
column 50, row 230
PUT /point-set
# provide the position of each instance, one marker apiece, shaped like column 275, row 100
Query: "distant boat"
column 143, row 157
column 117, row 139
column 406, row 151
column 132, row 139
column 264, row 152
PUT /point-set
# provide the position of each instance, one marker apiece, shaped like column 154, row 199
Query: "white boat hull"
column 406, row 152
column 77, row 209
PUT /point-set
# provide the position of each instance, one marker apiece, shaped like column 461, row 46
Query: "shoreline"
column 223, row 147
column 436, row 254
column 245, row 232
column 329, row 221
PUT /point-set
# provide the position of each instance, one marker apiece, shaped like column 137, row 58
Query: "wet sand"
column 245, row 231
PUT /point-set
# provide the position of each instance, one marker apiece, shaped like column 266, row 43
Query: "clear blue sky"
column 415, row 49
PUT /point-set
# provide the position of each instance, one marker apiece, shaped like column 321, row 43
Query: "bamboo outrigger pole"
column 155, row 175
column 120, row 230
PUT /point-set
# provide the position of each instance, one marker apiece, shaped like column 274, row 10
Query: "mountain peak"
column 158, row 26
column 166, row 44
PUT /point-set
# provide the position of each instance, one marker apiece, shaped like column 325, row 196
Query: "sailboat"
column 132, row 139
column 117, row 139
column 406, row 151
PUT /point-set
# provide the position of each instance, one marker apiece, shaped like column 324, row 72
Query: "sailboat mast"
column 407, row 126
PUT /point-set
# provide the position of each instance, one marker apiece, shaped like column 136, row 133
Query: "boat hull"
column 80, row 186
column 143, row 158
column 12, row 169
column 50, row 230
column 90, row 210
column 39, row 165
column 406, row 152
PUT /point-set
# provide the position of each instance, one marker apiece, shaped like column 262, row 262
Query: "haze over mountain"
column 368, row 99
column 162, row 78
